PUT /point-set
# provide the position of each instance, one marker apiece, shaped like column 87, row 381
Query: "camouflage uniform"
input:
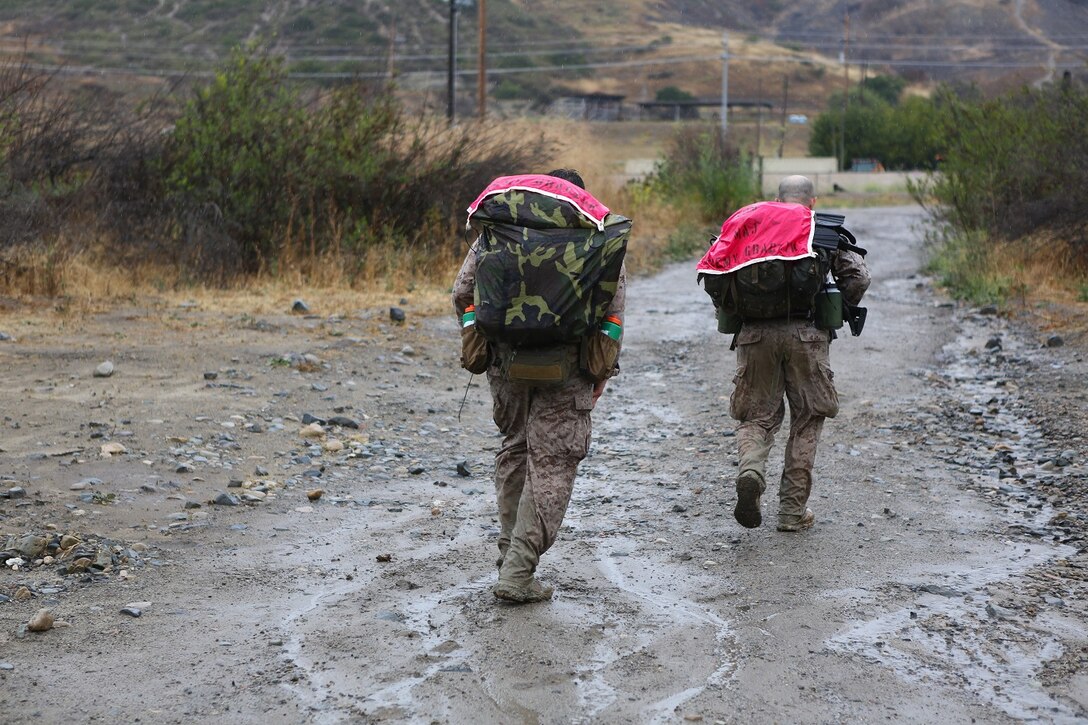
column 546, row 433
column 791, row 357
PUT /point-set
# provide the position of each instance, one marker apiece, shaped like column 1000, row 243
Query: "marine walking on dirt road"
column 768, row 275
column 541, row 299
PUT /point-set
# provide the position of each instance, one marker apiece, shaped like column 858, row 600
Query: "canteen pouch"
column 599, row 356
column 474, row 352
column 728, row 324
column 829, row 309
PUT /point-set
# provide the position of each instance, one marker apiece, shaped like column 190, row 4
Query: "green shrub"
column 248, row 155
column 963, row 263
column 701, row 169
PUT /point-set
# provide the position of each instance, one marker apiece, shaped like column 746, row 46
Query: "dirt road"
column 943, row 582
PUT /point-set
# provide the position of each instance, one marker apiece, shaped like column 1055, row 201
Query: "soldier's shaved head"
column 797, row 190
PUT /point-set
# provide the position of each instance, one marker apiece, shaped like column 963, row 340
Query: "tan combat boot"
column 516, row 581
column 797, row 523
column 749, row 490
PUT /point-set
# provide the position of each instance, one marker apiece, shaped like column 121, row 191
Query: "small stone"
column 132, row 611
column 315, row 494
column 42, row 621
column 416, row 470
column 333, row 445
column 5, row 337
column 104, row 370
column 226, row 499
column 993, row 342
column 1055, row 341
column 184, row 468
column 112, row 449
column 16, row 492
column 384, row 558
column 308, row 419
column 313, row 430
column 463, row 470
column 22, row 594
column 211, row 375
column 408, row 351
column 6, row 666
column 343, row 422
column 192, row 505
column 300, row 307
column 32, row 546
column 68, row 541
column 988, row 310
column 396, row 314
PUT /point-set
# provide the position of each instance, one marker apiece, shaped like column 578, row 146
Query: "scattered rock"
column 104, row 370
column 22, row 594
column 211, row 375
column 300, row 307
column 1055, row 341
column 308, row 419
column 5, row 337
column 463, row 469
column 416, row 470
column 131, row 611
column 226, row 499
column 112, row 449
column 42, row 621
column 384, row 558
column 343, row 422
column 16, row 492
column 333, row 445
column 313, row 430
column 184, row 468
column 315, row 494
column 396, row 314
column 32, row 546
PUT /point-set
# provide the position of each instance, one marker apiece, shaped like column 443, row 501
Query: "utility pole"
column 725, row 83
column 392, row 68
column 785, row 113
column 845, row 86
column 759, row 117
column 481, row 65
column 451, row 78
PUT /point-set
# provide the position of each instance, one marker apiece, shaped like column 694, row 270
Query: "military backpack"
column 548, row 261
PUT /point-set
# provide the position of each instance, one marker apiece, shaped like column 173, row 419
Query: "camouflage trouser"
column 546, row 434
column 779, row 357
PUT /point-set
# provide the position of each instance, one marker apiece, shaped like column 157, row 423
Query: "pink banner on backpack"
column 579, row 198
column 758, row 232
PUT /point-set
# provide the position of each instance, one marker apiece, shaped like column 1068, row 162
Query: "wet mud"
column 938, row 585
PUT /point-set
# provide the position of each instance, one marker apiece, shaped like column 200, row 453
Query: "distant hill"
column 630, row 47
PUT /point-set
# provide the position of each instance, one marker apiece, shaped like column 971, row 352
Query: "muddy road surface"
column 169, row 518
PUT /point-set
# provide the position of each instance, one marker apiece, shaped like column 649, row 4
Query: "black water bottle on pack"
column 829, row 307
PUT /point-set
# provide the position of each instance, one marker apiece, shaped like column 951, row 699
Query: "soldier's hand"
column 598, row 389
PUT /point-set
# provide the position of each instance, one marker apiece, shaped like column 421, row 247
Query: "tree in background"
column 901, row 134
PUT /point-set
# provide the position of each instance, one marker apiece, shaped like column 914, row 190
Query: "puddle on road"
column 953, row 633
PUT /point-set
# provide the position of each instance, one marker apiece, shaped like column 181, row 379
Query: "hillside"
column 629, row 47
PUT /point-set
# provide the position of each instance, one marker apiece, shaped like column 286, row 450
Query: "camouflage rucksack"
column 546, row 271
column 776, row 288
